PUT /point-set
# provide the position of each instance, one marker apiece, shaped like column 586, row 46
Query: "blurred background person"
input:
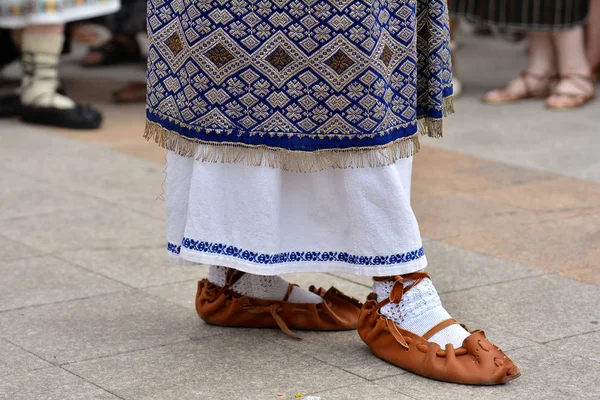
column 593, row 38
column 39, row 31
column 557, row 69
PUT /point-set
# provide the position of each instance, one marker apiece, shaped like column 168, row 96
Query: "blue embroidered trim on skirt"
column 294, row 256
column 297, row 74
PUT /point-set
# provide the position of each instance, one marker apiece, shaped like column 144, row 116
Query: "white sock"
column 40, row 58
column 265, row 287
column 419, row 311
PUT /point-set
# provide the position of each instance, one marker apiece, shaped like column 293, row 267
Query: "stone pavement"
column 508, row 203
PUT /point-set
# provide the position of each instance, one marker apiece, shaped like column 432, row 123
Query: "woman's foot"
column 236, row 299
column 133, row 92
column 572, row 91
column 265, row 287
column 414, row 332
column 527, row 86
column 120, row 49
column 420, row 310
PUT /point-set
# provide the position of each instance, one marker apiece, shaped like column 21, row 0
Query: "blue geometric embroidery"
column 294, row 256
column 173, row 248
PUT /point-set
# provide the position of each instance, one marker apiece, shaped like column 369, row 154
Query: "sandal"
column 114, row 52
column 133, row 92
column 476, row 362
column 511, row 96
column 221, row 306
column 576, row 99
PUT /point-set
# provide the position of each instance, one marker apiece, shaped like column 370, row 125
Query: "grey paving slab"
column 453, row 268
column 85, row 168
column 108, row 226
column 362, row 391
column 136, row 267
column 50, row 384
column 344, row 350
column 100, row 326
column 542, row 308
column 546, row 374
column 12, row 250
column 41, row 280
column 22, row 196
column 182, row 293
column 14, row 360
column 586, row 345
column 220, row 367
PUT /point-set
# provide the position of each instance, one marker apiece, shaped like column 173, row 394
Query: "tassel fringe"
column 298, row 161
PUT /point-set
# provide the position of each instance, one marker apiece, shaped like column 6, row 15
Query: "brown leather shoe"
column 476, row 362
column 221, row 306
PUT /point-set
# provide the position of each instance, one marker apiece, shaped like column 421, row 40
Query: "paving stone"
column 100, row 326
column 50, row 384
column 182, row 293
column 42, row 280
column 88, row 169
column 586, row 345
column 30, row 197
column 16, row 360
column 219, row 367
column 453, row 268
column 362, row 391
column 96, row 228
column 344, row 350
column 545, row 375
column 135, row 267
column 542, row 308
column 11, row 250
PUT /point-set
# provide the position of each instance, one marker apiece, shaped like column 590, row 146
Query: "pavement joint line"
column 28, row 351
column 346, row 279
column 351, row 385
column 542, row 273
column 68, row 300
column 570, row 336
column 78, row 266
column 66, row 364
column 92, row 383
column 23, row 258
column 171, row 283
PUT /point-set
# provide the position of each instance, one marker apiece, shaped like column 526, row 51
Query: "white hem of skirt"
column 59, row 18
column 187, row 257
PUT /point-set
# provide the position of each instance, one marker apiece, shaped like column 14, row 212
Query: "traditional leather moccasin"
column 221, row 306
column 476, row 362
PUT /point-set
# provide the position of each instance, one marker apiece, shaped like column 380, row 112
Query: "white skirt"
column 268, row 221
column 22, row 13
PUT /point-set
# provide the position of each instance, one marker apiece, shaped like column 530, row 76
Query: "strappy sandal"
column 577, row 100
column 218, row 305
column 133, row 92
column 476, row 362
column 548, row 80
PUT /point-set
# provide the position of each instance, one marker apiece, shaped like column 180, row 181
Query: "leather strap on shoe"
column 274, row 309
column 439, row 327
column 395, row 297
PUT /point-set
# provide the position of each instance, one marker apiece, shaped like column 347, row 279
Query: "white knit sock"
column 262, row 286
column 419, row 311
column 40, row 58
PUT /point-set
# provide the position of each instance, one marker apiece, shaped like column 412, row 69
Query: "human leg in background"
column 539, row 78
column 576, row 86
column 41, row 46
column 593, row 37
